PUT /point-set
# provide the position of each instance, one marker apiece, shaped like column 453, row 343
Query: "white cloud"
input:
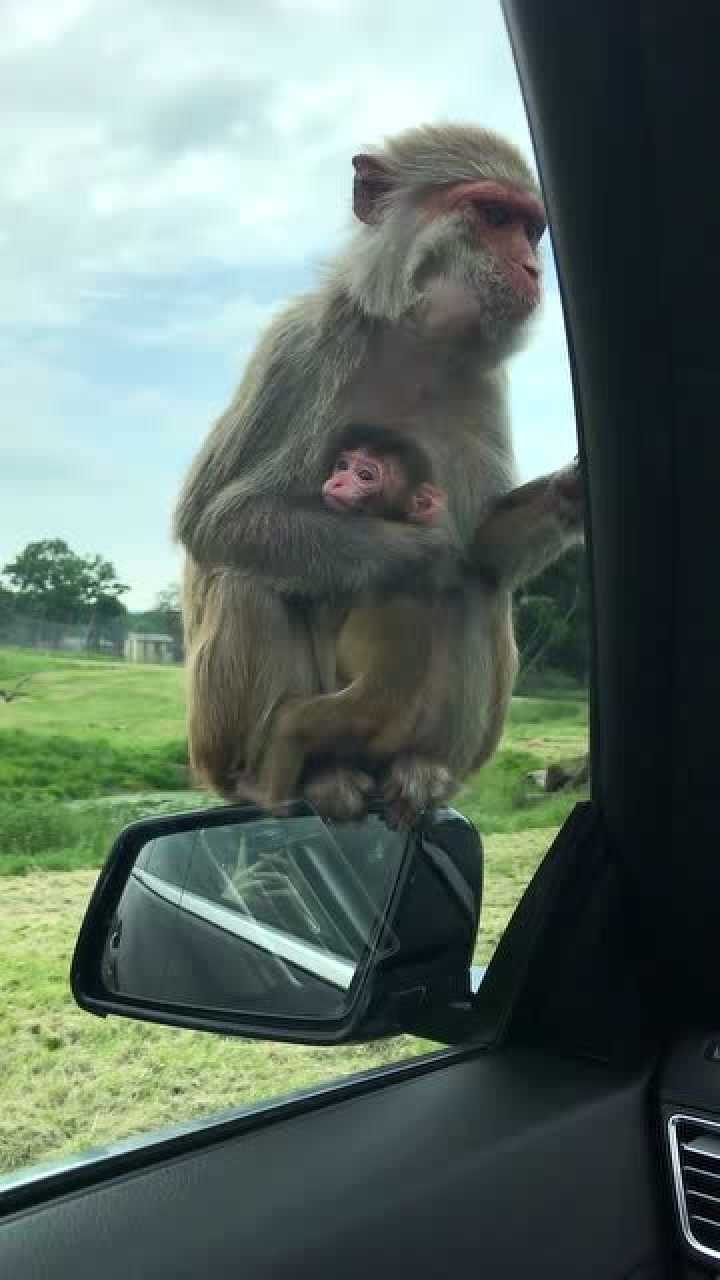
column 171, row 173
column 140, row 138
column 203, row 322
column 25, row 26
column 541, row 397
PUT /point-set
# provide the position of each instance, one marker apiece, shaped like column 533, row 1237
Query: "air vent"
column 695, row 1153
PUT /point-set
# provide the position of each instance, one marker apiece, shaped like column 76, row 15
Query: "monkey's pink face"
column 506, row 223
column 360, row 482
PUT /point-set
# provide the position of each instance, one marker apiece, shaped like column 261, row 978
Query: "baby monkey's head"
column 380, row 472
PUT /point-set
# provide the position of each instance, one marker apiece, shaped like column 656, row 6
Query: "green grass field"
column 89, row 730
column 95, row 744
column 72, row 1081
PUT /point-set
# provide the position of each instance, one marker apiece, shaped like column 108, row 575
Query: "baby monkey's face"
column 366, row 482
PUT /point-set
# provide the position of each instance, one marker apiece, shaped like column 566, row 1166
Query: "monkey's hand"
column 302, row 549
column 528, row 528
column 428, row 505
column 567, row 496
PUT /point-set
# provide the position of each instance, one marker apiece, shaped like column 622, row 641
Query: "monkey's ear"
column 372, row 182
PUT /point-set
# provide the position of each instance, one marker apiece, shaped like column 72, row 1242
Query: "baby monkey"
column 387, row 648
column 378, row 472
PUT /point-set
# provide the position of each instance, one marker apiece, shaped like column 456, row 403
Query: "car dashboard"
column 690, row 1113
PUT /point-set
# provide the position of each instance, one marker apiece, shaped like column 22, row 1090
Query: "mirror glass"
column 272, row 916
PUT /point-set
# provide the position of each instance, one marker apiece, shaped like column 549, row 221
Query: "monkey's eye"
column 497, row 215
column 366, row 474
column 342, row 464
column 534, row 231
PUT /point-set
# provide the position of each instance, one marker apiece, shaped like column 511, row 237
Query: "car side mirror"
column 288, row 928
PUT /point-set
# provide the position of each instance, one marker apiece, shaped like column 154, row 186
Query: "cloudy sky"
column 173, row 171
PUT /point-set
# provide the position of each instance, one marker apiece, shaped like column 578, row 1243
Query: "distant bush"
column 536, row 711
column 56, row 837
column 45, row 835
column 502, row 799
column 550, row 684
column 58, row 767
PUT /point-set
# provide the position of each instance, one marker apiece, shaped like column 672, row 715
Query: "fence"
column 74, row 637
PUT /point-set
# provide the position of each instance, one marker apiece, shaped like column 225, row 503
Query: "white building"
column 149, row 646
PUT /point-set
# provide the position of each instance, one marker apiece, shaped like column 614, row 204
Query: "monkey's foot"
column 413, row 784
column 242, row 787
column 340, row 793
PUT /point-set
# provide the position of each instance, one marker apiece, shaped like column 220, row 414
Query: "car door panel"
column 498, row 1164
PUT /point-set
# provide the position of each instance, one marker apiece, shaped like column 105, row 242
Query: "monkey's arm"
column 237, row 506
column 303, row 549
column 528, row 528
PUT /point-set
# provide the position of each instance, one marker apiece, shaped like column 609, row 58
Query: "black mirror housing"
column 288, row 928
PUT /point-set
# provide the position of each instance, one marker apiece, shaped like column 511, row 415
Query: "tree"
column 7, row 603
column 168, row 606
column 108, row 625
column 168, row 601
column 552, row 617
column 51, row 581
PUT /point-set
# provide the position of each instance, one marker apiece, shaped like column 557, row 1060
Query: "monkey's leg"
column 396, row 652
column 384, row 651
column 312, row 727
column 319, row 726
column 413, row 661
column 339, row 791
column 466, row 712
column 440, row 674
column 248, row 653
column 462, row 702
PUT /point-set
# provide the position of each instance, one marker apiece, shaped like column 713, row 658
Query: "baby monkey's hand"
column 428, row 504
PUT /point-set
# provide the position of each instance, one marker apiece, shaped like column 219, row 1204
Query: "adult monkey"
column 412, row 327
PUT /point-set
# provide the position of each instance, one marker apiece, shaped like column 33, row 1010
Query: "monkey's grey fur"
column 410, row 328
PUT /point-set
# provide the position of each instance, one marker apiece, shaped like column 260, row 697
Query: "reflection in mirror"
column 273, row 916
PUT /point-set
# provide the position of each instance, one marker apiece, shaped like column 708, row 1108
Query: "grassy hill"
column 71, row 1081
column 88, row 698
column 94, row 744
column 90, row 729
